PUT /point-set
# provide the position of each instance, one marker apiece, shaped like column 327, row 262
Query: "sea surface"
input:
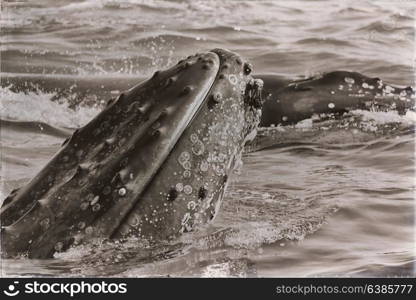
column 307, row 200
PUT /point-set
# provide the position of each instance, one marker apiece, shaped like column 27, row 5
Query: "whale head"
column 153, row 164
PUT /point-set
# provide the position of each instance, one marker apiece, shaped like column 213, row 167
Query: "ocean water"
column 308, row 199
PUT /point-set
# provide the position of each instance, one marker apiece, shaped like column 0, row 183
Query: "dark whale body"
column 287, row 102
column 154, row 164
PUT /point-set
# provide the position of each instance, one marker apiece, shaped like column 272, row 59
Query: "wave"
column 382, row 118
column 386, row 26
column 218, row 29
column 35, row 127
column 39, row 107
column 398, row 73
column 324, row 41
column 125, row 4
column 352, row 10
column 357, row 126
column 176, row 39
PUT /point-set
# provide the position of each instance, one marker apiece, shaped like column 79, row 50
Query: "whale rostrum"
column 153, row 164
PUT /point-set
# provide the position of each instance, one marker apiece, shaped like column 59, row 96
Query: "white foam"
column 381, row 117
column 94, row 4
column 39, row 107
column 305, row 124
column 217, row 270
column 254, row 234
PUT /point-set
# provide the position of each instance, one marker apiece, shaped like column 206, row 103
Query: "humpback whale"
column 153, row 164
column 156, row 161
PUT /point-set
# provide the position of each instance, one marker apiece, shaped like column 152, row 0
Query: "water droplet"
column 186, row 174
column 122, row 192
column 349, row 80
column 331, row 105
column 95, row 200
column 284, row 118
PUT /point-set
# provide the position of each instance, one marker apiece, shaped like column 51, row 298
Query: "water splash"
column 39, row 107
